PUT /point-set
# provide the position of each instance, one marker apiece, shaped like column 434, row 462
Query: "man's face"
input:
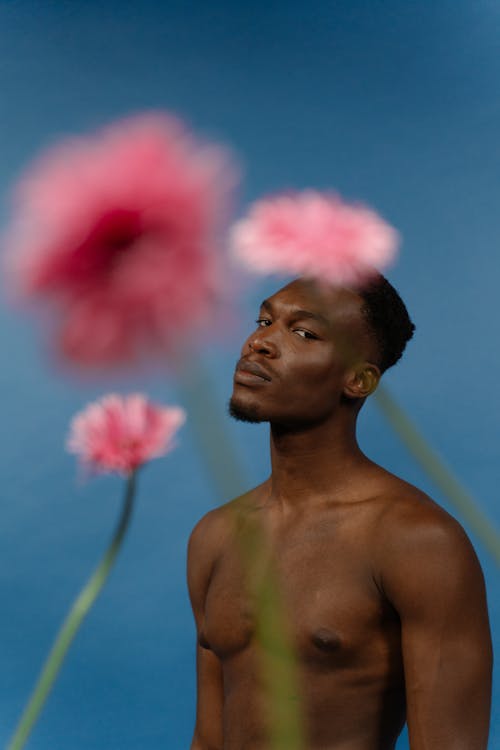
column 293, row 367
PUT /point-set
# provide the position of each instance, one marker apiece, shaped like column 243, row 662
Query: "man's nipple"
column 326, row 640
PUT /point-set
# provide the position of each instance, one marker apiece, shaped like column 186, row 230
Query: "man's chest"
column 317, row 580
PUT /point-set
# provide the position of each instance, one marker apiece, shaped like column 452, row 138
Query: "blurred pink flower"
column 119, row 434
column 118, row 232
column 313, row 234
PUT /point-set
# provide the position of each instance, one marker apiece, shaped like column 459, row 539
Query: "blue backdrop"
column 391, row 102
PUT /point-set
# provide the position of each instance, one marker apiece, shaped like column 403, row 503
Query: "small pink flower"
column 119, row 434
column 119, row 233
column 313, row 234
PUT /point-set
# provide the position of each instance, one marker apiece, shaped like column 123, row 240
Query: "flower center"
column 105, row 244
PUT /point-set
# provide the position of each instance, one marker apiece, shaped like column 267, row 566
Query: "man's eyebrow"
column 297, row 313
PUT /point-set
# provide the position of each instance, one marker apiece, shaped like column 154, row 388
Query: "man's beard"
column 244, row 413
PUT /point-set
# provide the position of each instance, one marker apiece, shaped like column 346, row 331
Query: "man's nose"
column 261, row 343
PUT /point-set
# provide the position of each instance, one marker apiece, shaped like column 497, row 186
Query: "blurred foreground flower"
column 313, row 234
column 116, row 434
column 118, row 233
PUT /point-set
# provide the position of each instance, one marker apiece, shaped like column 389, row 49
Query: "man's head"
column 318, row 349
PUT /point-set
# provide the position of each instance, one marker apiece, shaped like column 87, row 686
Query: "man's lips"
column 245, row 365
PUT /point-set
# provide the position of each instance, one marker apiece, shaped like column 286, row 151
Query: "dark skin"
column 383, row 592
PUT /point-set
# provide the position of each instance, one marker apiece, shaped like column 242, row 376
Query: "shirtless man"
column 383, row 592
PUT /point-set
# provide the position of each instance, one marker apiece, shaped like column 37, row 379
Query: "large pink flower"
column 313, row 234
column 119, row 232
column 119, row 434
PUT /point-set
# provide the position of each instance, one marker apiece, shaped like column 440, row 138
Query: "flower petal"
column 119, row 434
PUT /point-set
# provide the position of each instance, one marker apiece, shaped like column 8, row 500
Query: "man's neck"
column 314, row 464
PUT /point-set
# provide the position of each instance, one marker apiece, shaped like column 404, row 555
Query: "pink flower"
column 118, row 232
column 313, row 234
column 119, row 434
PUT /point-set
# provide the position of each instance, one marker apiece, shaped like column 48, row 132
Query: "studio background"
column 393, row 103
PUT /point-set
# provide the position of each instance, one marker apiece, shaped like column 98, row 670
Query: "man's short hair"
column 387, row 318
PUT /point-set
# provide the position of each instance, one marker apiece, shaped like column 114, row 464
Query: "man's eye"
column 304, row 334
column 263, row 322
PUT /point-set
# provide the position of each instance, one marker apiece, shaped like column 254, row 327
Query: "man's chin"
column 244, row 412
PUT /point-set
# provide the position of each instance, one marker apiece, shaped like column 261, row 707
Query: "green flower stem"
column 195, row 388
column 74, row 619
column 439, row 472
column 278, row 660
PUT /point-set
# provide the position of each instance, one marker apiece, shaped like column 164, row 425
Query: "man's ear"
column 361, row 380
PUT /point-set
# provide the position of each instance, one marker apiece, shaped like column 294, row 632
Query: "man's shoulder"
column 213, row 529
column 413, row 532
column 409, row 513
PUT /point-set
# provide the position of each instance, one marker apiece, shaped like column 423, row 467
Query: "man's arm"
column 209, row 694
column 432, row 577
